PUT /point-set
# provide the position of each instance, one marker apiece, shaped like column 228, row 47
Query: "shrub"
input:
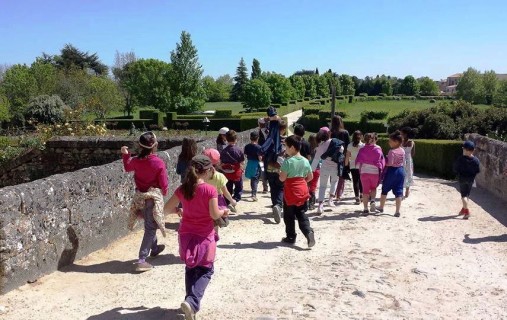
column 307, row 99
column 311, row 110
column 146, row 113
column 292, row 102
column 224, row 113
column 374, row 115
column 433, row 100
column 363, row 94
column 301, row 100
column 276, row 105
column 311, row 122
column 382, row 94
column 46, row 109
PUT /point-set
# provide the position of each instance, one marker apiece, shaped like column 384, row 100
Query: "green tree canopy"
column 280, row 87
column 428, row 87
column 121, row 76
column 46, row 77
column 322, row 86
column 104, row 96
column 409, row 86
column 4, row 109
column 500, row 98
column 46, row 109
column 240, row 81
column 19, row 86
column 490, row 84
column 470, row 87
column 256, row 69
column 257, row 94
column 298, row 84
column 187, row 93
column 347, row 85
column 72, row 58
column 219, row 89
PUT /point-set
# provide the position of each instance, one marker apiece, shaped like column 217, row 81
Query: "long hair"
column 312, row 140
column 221, row 139
column 148, row 144
column 408, row 132
column 190, row 183
column 188, row 150
column 337, row 124
column 356, row 138
column 323, row 136
column 370, row 138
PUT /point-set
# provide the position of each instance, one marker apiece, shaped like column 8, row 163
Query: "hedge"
column 224, row 113
column 433, row 156
column 122, row 118
column 126, row 124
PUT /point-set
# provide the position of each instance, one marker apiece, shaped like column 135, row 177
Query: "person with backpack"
column 232, row 159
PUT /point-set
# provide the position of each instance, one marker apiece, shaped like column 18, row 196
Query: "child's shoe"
column 289, row 240
column 143, row 266
column 466, row 214
column 188, row 311
column 277, row 213
column 311, row 239
column 372, row 206
column 365, row 213
column 232, row 208
column 160, row 248
column 380, row 210
column 358, row 201
column 254, row 198
column 397, row 214
column 330, row 202
column 462, row 212
column 320, row 209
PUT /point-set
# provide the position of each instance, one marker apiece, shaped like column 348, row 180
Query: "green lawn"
column 236, row 107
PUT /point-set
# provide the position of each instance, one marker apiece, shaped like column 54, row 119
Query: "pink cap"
column 213, row 155
column 324, row 129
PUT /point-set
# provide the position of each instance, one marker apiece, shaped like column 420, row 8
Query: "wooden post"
column 333, row 100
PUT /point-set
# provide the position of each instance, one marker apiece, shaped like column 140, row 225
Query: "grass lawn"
column 236, row 107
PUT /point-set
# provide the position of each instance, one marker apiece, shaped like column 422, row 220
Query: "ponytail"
column 190, row 183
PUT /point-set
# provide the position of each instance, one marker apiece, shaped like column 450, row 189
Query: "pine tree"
column 187, row 92
column 256, row 69
column 240, row 80
column 317, row 71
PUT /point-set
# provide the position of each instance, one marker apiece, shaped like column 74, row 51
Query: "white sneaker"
column 372, row 207
column 188, row 311
column 320, row 209
column 277, row 213
column 330, row 202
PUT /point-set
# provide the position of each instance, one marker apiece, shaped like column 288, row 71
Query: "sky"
column 392, row 37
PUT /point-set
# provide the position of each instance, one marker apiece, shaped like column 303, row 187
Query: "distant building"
column 448, row 87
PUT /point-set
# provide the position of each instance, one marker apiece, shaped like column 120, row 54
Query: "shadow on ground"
column 440, row 218
column 121, row 267
column 266, row 218
column 261, row 245
column 138, row 313
column 499, row 238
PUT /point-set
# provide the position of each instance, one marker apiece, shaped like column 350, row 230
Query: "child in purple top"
column 232, row 158
column 394, row 178
column 149, row 172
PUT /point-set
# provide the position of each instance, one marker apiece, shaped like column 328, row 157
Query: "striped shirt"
column 396, row 157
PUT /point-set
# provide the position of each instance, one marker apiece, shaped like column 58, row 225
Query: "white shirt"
column 353, row 154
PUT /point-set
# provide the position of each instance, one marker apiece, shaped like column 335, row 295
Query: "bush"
column 276, row 105
column 146, row 113
column 224, row 113
column 284, row 104
column 292, row 102
column 46, row 109
column 301, row 100
column 311, row 122
column 433, row 101
column 307, row 99
column 123, row 124
column 311, row 110
column 363, row 94
column 374, row 115
column 369, row 126
column 121, row 118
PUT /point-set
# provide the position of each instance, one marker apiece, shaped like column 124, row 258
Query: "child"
column 150, row 177
column 350, row 160
column 329, row 168
column 273, row 151
column 394, row 177
column 409, row 147
column 253, row 168
column 221, row 140
column 196, row 234
column 466, row 167
column 338, row 132
column 219, row 181
column 232, row 158
column 263, row 135
column 312, row 185
column 188, row 151
column 296, row 172
column 370, row 162
column 299, row 130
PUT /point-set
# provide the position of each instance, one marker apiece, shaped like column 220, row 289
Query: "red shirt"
column 295, row 191
column 196, row 216
column 148, row 172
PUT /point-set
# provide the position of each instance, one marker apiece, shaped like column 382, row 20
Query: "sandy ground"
column 425, row 265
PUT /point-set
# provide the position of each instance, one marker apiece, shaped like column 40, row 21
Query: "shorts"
column 369, row 181
column 465, row 187
column 394, row 181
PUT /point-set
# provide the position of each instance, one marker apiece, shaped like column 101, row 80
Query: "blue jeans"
column 196, row 281
column 276, row 188
column 150, row 231
column 235, row 188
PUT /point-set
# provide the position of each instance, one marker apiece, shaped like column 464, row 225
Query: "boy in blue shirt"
column 253, row 168
column 466, row 167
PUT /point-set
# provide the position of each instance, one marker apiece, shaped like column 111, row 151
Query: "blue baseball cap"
column 271, row 111
column 468, row 145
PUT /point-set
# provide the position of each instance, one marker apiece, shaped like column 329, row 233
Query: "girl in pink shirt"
column 197, row 237
column 394, row 178
column 150, row 176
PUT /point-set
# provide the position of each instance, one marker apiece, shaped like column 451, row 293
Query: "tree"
column 333, row 80
column 256, row 69
column 310, row 88
column 409, row 86
column 19, row 86
column 240, row 81
column 428, row 87
column 46, row 77
column 470, row 87
column 321, row 86
column 257, row 94
column 490, row 84
column 104, row 96
column 121, row 76
column 347, row 85
column 317, row 71
column 72, row 58
column 46, row 109
column 187, row 93
column 72, row 86
column 219, row 89
column 148, row 82
column 4, row 109
column 280, row 87
column 500, row 98
column 298, row 84
column 3, row 69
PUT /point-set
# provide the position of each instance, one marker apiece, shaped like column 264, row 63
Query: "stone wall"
column 65, row 154
column 48, row 223
column 493, row 157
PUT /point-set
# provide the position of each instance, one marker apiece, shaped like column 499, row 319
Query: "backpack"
column 336, row 155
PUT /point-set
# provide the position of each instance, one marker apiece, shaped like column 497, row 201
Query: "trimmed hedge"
column 433, row 156
column 374, row 115
column 122, row 118
column 125, row 124
column 224, row 113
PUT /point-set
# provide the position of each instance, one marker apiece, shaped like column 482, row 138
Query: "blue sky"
column 396, row 37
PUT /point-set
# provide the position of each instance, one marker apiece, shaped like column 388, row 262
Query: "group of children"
column 212, row 184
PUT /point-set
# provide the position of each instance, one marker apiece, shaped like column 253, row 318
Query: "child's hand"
column 125, row 150
column 179, row 211
column 233, row 203
column 226, row 213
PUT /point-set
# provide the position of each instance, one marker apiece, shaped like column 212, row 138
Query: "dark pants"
column 356, row 182
column 254, row 182
column 290, row 214
column 264, row 180
column 276, row 188
column 465, row 186
column 150, row 231
column 235, row 188
column 196, row 281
